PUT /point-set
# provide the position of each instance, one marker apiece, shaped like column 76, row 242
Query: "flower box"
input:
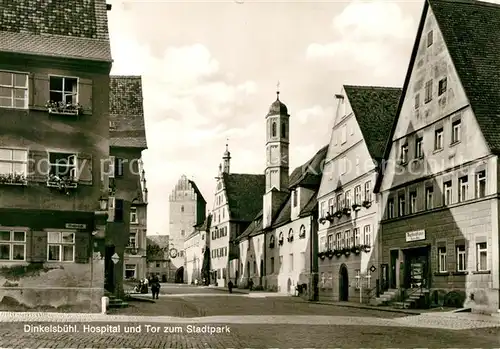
column 356, row 250
column 61, row 183
column 60, row 108
column 329, row 254
column 366, row 248
column 338, row 214
column 356, row 207
column 13, row 179
column 338, row 253
column 367, row 204
column 346, row 251
column 346, row 211
column 329, row 217
column 321, row 255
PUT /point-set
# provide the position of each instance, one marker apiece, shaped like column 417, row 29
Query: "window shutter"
column 84, row 168
column 38, row 251
column 118, row 167
column 38, row 165
column 112, row 166
column 85, row 95
column 82, row 240
column 40, row 89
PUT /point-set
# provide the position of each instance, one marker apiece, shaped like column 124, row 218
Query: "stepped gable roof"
column 374, row 108
column 126, row 113
column 59, row 28
column 244, row 194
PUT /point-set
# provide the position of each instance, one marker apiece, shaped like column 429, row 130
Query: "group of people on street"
column 144, row 284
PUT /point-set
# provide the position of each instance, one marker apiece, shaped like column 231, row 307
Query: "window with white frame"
column 340, row 202
column 390, row 208
column 63, row 89
column 130, row 270
column 482, row 256
column 413, row 202
column 481, row 184
column 63, row 165
column 348, row 199
column 132, row 240
column 429, row 198
column 322, row 244
column 338, row 242
column 442, row 267
column 12, row 245
column 448, row 193
column 13, row 90
column 61, row 247
column 331, row 206
column 357, row 195
column 419, row 151
column 438, row 139
column 456, row 134
column 463, row 188
column 133, row 215
column 323, row 209
column 343, row 134
column 13, row 162
column 357, row 237
column 348, row 239
column 401, row 205
column 330, row 242
column 367, row 235
column 358, row 278
column 368, row 191
column 461, row 258
column 403, row 156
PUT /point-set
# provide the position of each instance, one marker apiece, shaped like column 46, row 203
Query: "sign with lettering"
column 76, row 226
column 416, row 235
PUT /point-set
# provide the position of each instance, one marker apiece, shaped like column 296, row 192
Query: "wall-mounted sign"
column 76, row 226
column 416, row 235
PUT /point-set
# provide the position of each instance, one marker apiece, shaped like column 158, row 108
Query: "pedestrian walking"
column 250, row 284
column 155, row 287
column 230, row 286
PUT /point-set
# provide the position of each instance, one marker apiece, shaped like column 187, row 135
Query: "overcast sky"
column 210, row 70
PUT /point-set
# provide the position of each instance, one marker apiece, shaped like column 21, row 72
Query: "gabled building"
column 439, row 234
column 187, row 208
column 237, row 201
column 127, row 218
column 54, row 96
column 285, row 250
column 348, row 209
column 158, row 259
column 287, row 213
column 194, row 247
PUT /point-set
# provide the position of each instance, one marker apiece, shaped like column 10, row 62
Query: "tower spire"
column 278, row 91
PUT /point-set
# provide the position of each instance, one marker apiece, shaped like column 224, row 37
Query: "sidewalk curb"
column 389, row 310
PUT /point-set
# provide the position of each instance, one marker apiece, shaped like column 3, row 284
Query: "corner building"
column 439, row 192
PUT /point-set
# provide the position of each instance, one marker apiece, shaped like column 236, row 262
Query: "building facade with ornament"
column 236, row 203
column 348, row 209
column 187, row 209
column 55, row 136
column 276, row 250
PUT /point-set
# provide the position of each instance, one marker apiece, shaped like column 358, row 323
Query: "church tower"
column 225, row 160
column 277, row 159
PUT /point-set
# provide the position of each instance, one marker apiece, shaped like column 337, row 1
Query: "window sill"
column 481, row 272
column 454, row 143
column 442, row 273
column 460, row 273
column 437, row 150
column 428, row 101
